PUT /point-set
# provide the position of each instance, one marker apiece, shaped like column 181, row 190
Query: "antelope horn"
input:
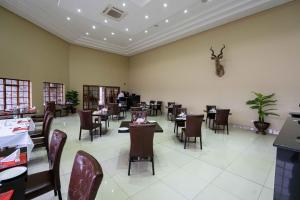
column 212, row 51
column 221, row 52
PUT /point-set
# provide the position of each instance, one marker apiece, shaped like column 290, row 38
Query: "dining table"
column 102, row 116
column 15, row 133
column 124, row 127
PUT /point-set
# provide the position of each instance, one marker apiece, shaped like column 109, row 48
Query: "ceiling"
column 134, row 33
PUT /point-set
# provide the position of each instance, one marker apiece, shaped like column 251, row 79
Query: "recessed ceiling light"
column 68, row 18
column 126, row 29
column 123, row 4
column 94, row 27
column 167, row 21
column 130, row 39
column 105, row 21
column 112, row 33
column 185, row 11
column 105, row 38
column 146, row 16
column 165, row 5
column 87, row 33
column 79, row 10
column 146, row 31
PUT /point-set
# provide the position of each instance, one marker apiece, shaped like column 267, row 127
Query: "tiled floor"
column 238, row 166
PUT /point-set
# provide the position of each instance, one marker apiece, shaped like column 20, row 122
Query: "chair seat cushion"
column 38, row 184
column 35, row 133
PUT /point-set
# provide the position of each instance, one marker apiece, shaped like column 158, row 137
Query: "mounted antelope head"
column 219, row 68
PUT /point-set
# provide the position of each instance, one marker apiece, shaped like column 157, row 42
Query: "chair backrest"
column 141, row 140
column 56, row 146
column 170, row 103
column 138, row 114
column 86, row 177
column 47, row 127
column 193, row 125
column 136, row 109
column 175, row 108
column 222, row 116
column 159, row 104
column 45, row 120
column 114, row 108
column 152, row 102
column 50, row 106
column 86, row 120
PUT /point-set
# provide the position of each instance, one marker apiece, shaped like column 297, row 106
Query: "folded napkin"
column 15, row 156
column 140, row 120
column 20, row 129
column 22, row 121
column 21, row 161
column 7, row 195
column 97, row 112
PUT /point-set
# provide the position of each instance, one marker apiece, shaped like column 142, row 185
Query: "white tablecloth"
column 10, row 135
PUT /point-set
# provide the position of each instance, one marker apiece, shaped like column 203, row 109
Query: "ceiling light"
column 79, row 10
column 105, row 21
column 146, row 31
column 68, row 18
column 185, row 11
column 105, row 38
column 87, row 33
column 165, row 5
column 123, row 4
column 126, row 29
column 146, row 17
column 167, row 21
column 94, row 27
column 112, row 33
column 130, row 39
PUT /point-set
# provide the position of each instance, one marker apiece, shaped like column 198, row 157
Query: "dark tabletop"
column 289, row 136
column 158, row 129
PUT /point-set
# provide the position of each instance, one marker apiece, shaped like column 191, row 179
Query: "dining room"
column 132, row 100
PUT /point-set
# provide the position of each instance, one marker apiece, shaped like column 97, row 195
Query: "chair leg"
column 185, row 142
column 214, row 126
column 195, row 140
column 129, row 165
column 201, row 142
column 59, row 195
column 152, row 160
column 174, row 127
column 55, row 192
column 227, row 129
column 91, row 133
column 80, row 134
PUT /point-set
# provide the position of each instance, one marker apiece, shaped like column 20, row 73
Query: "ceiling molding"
column 215, row 16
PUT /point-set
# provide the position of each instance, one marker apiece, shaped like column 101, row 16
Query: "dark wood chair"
column 152, row 107
column 86, row 123
column 174, row 111
column 170, row 110
column 86, row 177
column 210, row 116
column 43, row 140
column 141, row 144
column 40, row 132
column 179, row 123
column 158, row 107
column 114, row 110
column 193, row 128
column 138, row 114
column 45, row 181
column 221, row 119
column 49, row 107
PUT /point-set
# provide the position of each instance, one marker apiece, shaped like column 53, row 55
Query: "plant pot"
column 261, row 127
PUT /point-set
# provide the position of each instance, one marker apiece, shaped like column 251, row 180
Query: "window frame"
column 48, row 97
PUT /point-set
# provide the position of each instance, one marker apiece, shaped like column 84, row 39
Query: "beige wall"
column 93, row 67
column 262, row 54
column 28, row 52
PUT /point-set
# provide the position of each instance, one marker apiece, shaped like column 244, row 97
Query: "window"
column 54, row 92
column 14, row 93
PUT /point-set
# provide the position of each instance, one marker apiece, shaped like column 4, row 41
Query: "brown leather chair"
column 141, row 144
column 138, row 114
column 170, row 110
column 40, row 133
column 193, row 128
column 43, row 141
column 86, row 177
column 132, row 109
column 221, row 119
column 49, row 107
column 210, row 116
column 45, row 181
column 86, row 123
column 114, row 110
column 179, row 123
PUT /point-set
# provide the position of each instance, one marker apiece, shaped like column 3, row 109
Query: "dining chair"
column 192, row 129
column 39, row 132
column 179, row 123
column 49, row 107
column 46, row 181
column 86, row 177
column 43, row 140
column 138, row 114
column 210, row 116
column 170, row 109
column 158, row 107
column 174, row 111
column 86, row 123
column 152, row 107
column 114, row 110
column 141, row 144
column 221, row 119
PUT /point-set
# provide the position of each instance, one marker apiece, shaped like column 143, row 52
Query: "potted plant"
column 264, row 104
column 72, row 100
